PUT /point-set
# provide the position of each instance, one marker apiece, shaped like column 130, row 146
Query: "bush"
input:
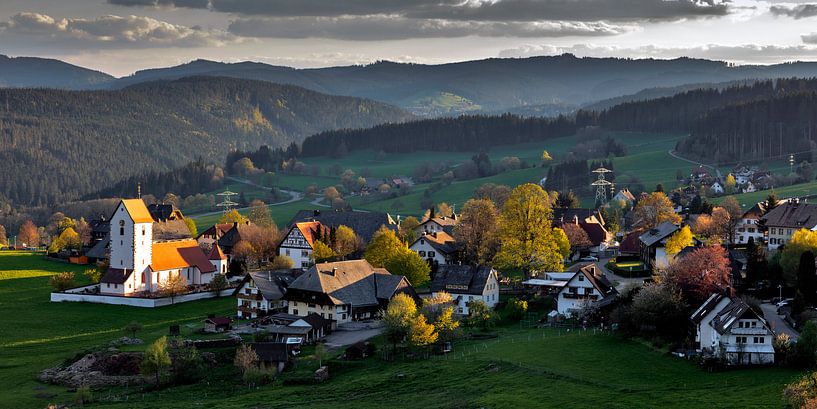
column 62, row 281
column 258, row 376
column 516, row 309
column 83, row 395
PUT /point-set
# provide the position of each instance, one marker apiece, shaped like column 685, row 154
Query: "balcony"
column 576, row 296
column 251, row 297
column 749, row 331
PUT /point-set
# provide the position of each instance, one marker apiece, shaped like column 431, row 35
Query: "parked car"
column 590, row 258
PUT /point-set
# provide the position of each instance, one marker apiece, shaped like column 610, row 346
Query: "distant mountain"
column 57, row 145
column 491, row 85
column 31, row 72
column 655, row 93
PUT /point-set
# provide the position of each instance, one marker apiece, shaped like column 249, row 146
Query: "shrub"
column 83, row 395
column 516, row 309
column 62, row 281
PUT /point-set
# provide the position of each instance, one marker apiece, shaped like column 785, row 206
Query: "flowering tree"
column 700, row 273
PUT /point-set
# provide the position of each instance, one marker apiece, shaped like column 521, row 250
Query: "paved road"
column 776, row 321
column 675, row 155
column 340, row 339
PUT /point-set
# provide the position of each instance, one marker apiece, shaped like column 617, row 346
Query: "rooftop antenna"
column 227, row 203
column 601, row 185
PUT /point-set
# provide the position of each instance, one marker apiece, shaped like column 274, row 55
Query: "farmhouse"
column 785, row 219
column 262, row 293
column 727, row 328
column 437, row 224
column 365, row 224
column 140, row 264
column 227, row 235
column 624, row 195
column 344, row 291
column 748, row 227
column 298, row 244
column 436, row 248
column 588, row 284
column 466, row 284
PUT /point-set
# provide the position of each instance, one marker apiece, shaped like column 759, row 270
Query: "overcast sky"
column 123, row 36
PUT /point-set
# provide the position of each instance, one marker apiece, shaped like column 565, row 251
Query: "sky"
column 122, row 36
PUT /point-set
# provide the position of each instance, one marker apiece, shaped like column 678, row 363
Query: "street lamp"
column 780, row 287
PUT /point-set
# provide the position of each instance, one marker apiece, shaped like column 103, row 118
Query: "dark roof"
column 271, row 284
column 440, row 241
column 271, row 351
column 567, row 215
column 100, row 225
column 658, row 233
column 365, row 224
column 706, row 308
column 353, row 282
column 163, row 212
column 793, row 215
column 172, row 229
column 316, row 321
column 115, row 275
column 594, row 274
column 461, row 279
column 218, row 321
column 629, row 244
column 100, row 249
column 733, row 311
column 595, row 231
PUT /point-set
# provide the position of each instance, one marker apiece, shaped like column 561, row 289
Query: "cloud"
column 476, row 10
column 373, row 28
column 799, row 11
column 131, row 31
column 746, row 53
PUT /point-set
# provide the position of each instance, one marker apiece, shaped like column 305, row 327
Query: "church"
column 141, row 263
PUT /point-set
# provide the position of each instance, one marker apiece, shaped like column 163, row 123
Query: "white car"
column 590, row 258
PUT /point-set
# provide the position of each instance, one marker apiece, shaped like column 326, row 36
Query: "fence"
column 76, row 295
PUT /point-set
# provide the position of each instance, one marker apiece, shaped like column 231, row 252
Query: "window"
column 295, row 312
column 759, row 340
column 343, row 316
column 248, row 291
column 305, row 253
column 311, row 305
column 788, row 232
column 774, row 231
column 421, row 253
column 431, row 254
column 143, row 230
column 581, row 277
column 287, row 252
column 740, row 340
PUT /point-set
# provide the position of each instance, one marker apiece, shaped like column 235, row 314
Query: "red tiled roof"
column 309, row 230
column 216, row 253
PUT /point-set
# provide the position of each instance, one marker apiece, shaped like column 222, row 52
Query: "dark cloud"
column 396, row 28
column 475, row 10
column 115, row 31
column 799, row 11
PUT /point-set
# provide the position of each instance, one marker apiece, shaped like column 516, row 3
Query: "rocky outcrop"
column 96, row 370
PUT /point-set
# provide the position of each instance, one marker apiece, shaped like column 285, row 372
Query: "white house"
column 436, row 248
column 748, row 187
column 749, row 226
column 344, row 291
column 299, row 241
column 729, row 329
column 624, row 195
column 652, row 242
column 262, row 293
column 140, row 264
column 588, row 284
column 785, row 219
column 466, row 284
column 717, row 188
column 437, row 224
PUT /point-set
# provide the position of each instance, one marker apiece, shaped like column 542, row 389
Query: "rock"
column 96, row 370
column 127, row 341
column 322, row 374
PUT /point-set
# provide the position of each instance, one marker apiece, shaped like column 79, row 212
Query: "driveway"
column 348, row 334
column 620, row 282
column 778, row 324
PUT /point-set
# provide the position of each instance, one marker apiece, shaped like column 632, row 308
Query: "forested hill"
column 58, row 145
column 22, row 72
column 491, row 85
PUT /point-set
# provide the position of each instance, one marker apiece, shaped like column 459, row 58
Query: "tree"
column 174, row 285
column 699, row 273
column 516, row 309
column 84, row 231
column 383, row 246
column 654, row 209
column 771, row 202
column 263, row 240
column 444, row 210
column 730, row 184
column 186, row 362
column 446, row 324
column 245, row 358
column 218, row 283
column 321, row 252
column 801, row 241
column 807, row 277
column 568, row 200
column 29, row 235
column 4, row 241
column 260, row 214
column 71, row 238
column 321, row 354
column 397, row 318
column 132, row 328
column 576, row 236
column 421, row 333
column 476, row 231
column 233, row 216
column 62, row 281
column 408, row 227
column 680, row 240
column 282, row 262
column 191, row 226
column 331, row 193
column 346, row 241
column 156, row 359
column 480, row 315
column 729, row 220
column 546, row 156
column 562, row 241
column 409, row 264
column 94, row 274
column 525, row 233
column 660, row 307
column 244, row 167
column 806, row 346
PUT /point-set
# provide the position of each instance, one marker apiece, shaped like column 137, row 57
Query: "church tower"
column 131, row 237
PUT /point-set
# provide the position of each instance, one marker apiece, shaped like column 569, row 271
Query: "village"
column 716, row 284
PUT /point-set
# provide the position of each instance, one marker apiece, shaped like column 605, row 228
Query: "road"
column 294, row 196
column 675, row 155
column 776, row 321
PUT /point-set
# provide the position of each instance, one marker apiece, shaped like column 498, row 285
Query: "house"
column 365, row 224
column 748, row 187
column 717, row 187
column 652, row 244
column 217, row 324
column 744, row 174
column 785, row 219
column 467, row 283
column 437, row 224
column 700, row 174
column 293, row 328
column 275, row 355
column 630, row 244
column 344, row 291
column 749, row 225
column 262, row 293
column 624, row 195
column 299, row 242
column 589, row 220
column 727, row 328
column 587, row 284
column 139, row 263
column 227, row 235
column 436, row 248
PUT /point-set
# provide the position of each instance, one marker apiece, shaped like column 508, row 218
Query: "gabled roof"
column 216, row 253
column 629, row 244
column 792, row 214
column 461, row 279
column 171, row 229
column 706, row 308
column 442, row 221
column 164, row 211
column 593, row 274
column 625, row 194
column 100, row 249
column 353, row 282
column 310, row 231
column 440, row 241
column 271, row 351
column 170, row 255
column 365, row 224
column 568, row 215
column 595, row 232
column 115, row 276
column 736, row 309
column 658, row 233
column 271, row 284
column 137, row 210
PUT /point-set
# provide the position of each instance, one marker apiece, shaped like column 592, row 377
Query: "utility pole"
column 791, row 164
column 601, row 185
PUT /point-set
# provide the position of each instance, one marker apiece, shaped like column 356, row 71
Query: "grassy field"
column 281, row 214
column 522, row 368
column 799, row 190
